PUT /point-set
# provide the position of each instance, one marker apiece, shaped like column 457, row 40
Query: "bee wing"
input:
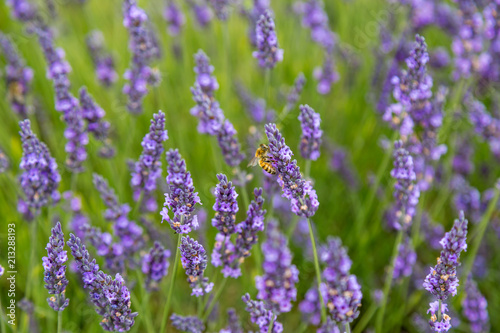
column 253, row 161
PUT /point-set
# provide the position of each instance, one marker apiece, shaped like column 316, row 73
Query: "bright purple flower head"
column 268, row 52
column 155, row 265
column 103, row 61
column 187, row 324
column 182, row 198
column 194, row 260
column 110, row 297
column 40, row 178
column 55, row 270
column 475, row 308
column 174, row 17
column 225, row 206
column 148, row 168
column 302, row 196
column 310, row 142
column 261, row 315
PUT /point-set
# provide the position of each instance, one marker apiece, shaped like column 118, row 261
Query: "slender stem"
column 59, row 321
column 145, row 303
column 74, row 176
column 318, row 272
column 267, row 86
column 483, row 225
column 347, row 328
column 307, row 168
column 439, row 310
column 30, row 280
column 365, row 319
column 200, row 306
column 171, row 287
column 291, row 229
column 214, row 300
column 388, row 282
column 271, row 324
column 137, row 205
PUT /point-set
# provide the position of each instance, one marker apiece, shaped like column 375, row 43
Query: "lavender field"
column 249, row 166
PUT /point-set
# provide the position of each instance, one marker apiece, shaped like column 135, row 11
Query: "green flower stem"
column 439, row 310
column 318, row 272
column 171, row 286
column 145, row 303
column 347, row 328
column 214, row 300
column 271, row 324
column 365, row 319
column 59, row 321
column 388, row 282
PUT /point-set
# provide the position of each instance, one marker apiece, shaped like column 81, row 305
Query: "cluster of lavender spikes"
column 103, row 61
column 18, row 77
column 40, row 178
column 182, row 198
column 194, row 260
column 55, row 270
column 187, row 324
column 148, row 168
column 302, row 196
column 111, row 297
column 442, row 281
column 268, row 52
column 262, row 316
column 155, row 265
column 310, row 141
column 209, row 113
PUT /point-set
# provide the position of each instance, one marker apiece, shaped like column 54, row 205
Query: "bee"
column 262, row 158
column 15, row 92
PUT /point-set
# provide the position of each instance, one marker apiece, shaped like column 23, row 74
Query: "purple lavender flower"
column 256, row 107
column 22, row 10
column 182, row 198
column 229, row 145
column 326, row 75
column 2, row 270
column 187, row 324
column 340, row 162
column 406, row 192
column 110, row 297
column 155, row 265
column 93, row 115
column 302, row 196
column 18, row 77
column 204, row 77
column 207, row 110
column 221, row 8
column 485, row 124
column 261, row 316
column 475, row 308
column 329, row 327
column 403, row 266
column 225, row 206
column 148, row 168
column 310, row 142
column 253, row 15
column 294, row 94
column 103, row 61
column 342, row 290
column 442, row 280
column 112, row 252
column 55, row 270
column 142, row 45
column 79, row 221
column 40, row 178
column 233, row 323
column 4, row 162
column 268, row 52
column 490, row 69
column 444, row 324
column 315, row 18
column 194, row 260
column 277, row 286
column 202, row 12
column 174, row 17
column 311, row 306
column 462, row 161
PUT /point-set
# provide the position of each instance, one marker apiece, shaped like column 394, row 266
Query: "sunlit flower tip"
column 55, row 270
column 268, row 52
column 310, row 142
column 155, row 265
column 190, row 324
column 194, row 260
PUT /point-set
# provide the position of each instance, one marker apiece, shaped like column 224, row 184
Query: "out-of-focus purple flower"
column 403, row 265
column 326, row 75
column 462, row 161
column 439, row 58
column 432, row 233
column 294, row 94
column 148, row 168
column 18, row 77
column 311, row 306
column 55, row 270
column 93, row 115
column 225, row 206
column 268, row 52
column 103, row 61
column 194, row 260
column 112, row 252
column 111, row 297
column 189, row 324
column 155, row 265
column 444, row 324
column 341, row 163
column 277, row 286
column 229, row 145
column 485, row 124
column 4, row 161
column 253, row 15
column 442, row 280
column 475, row 308
column 256, row 107
column 310, row 142
column 490, row 69
column 2, row 270
column 182, row 198
column 261, row 315
column 466, row 198
column 233, row 323
column 207, row 110
column 79, row 221
column 406, row 192
column 174, row 17
column 302, row 196
column 204, row 77
column 315, row 18
column 342, row 290
column 40, row 178
column 143, row 46
column 221, row 8
column 22, row 10
column 202, row 12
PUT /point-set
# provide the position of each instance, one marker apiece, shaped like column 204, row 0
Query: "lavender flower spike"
column 18, row 77
column 55, row 270
column 40, row 178
column 261, row 316
column 310, row 142
column 302, row 196
column 4, row 161
column 110, row 297
column 93, row 115
column 189, row 324
column 228, row 143
column 204, row 77
column 277, row 286
column 182, row 198
column 155, row 265
column 174, row 17
column 194, row 261
column 103, row 61
column 148, row 168
column 225, row 206
column 268, row 52
column 294, row 94
column 475, row 308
